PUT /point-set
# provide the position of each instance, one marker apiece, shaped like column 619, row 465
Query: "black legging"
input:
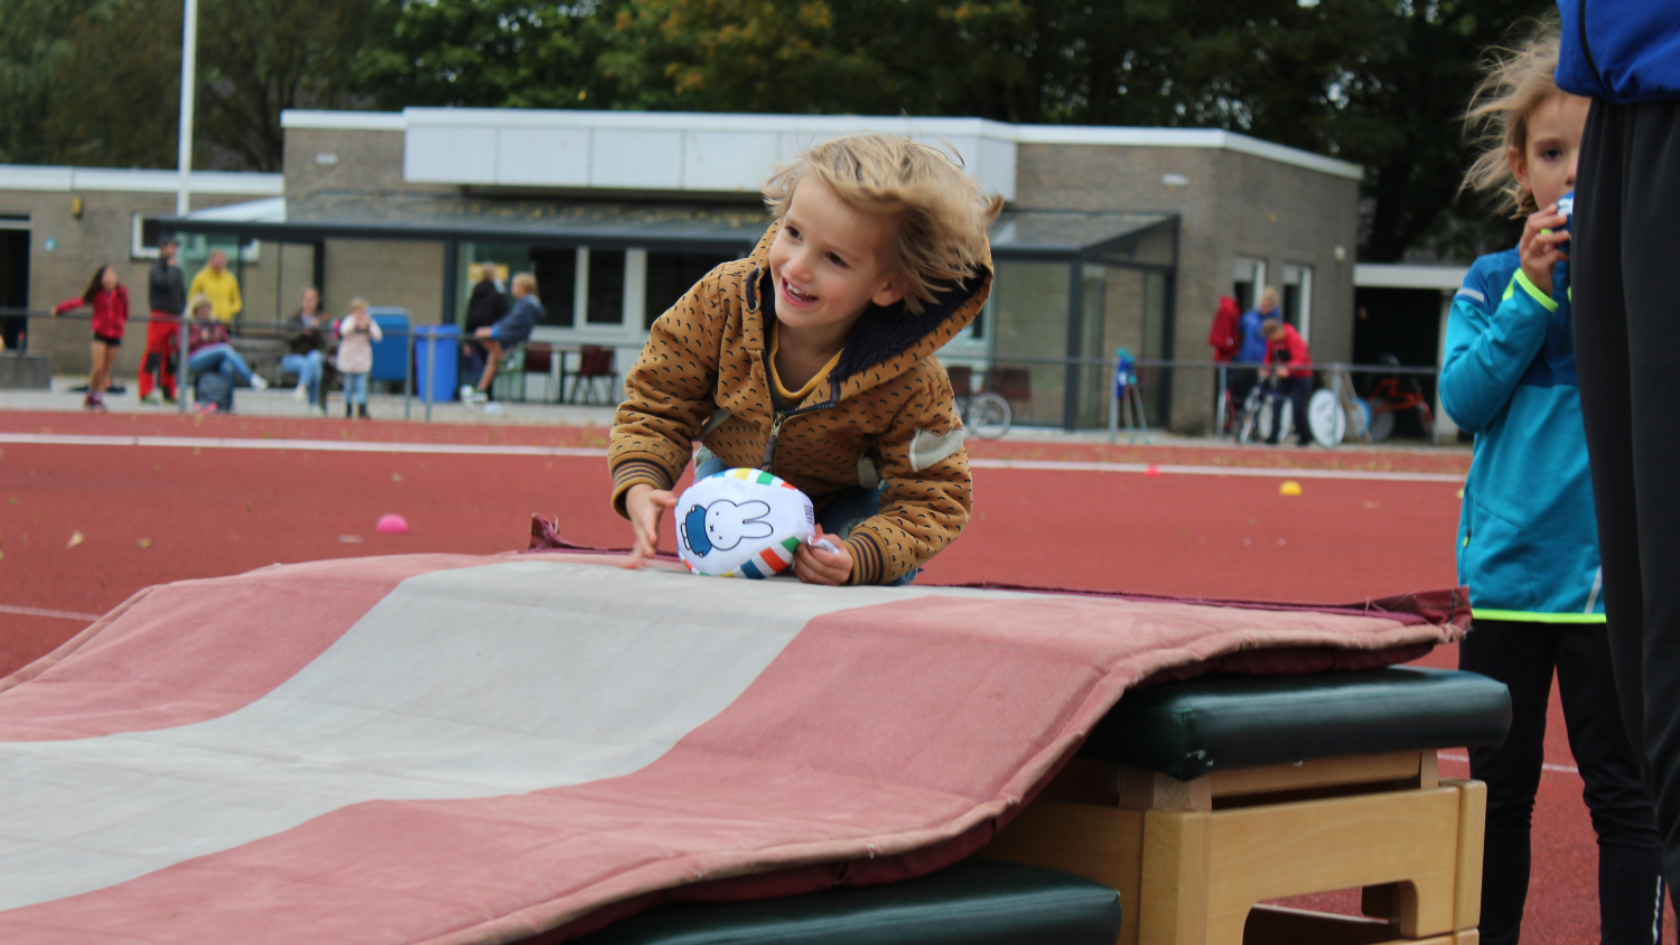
column 1627, row 346
column 1523, row 656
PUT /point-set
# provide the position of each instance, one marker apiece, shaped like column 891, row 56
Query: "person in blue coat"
column 1527, row 537
column 1253, row 346
column 1625, row 56
column 509, row 332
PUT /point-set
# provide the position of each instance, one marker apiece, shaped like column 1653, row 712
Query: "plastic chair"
column 539, row 361
column 595, row 363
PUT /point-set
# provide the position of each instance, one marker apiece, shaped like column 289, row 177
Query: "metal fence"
column 11, row 317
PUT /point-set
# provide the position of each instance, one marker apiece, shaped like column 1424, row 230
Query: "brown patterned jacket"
column 887, row 399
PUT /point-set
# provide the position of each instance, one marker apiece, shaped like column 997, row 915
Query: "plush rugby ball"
column 742, row 523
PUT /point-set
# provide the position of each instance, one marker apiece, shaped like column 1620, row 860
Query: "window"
column 556, row 272
column 669, row 275
column 605, row 305
column 1247, row 279
column 1297, row 299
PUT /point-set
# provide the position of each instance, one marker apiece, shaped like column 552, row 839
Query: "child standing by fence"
column 357, row 333
column 108, row 298
column 1527, row 543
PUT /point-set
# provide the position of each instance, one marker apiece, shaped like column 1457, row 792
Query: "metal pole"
column 1219, row 406
column 189, row 70
column 1114, row 409
column 408, row 371
column 431, row 394
column 183, row 376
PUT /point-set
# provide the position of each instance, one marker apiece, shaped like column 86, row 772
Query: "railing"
column 277, row 331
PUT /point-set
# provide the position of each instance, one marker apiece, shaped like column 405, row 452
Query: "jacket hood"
column 887, row 341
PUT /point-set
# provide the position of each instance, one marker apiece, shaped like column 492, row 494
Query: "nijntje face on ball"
column 742, row 523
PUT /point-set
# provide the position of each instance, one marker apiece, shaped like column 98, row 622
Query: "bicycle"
column 1394, row 394
column 1257, row 413
column 985, row 415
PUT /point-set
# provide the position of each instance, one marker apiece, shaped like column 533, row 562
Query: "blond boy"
column 815, row 354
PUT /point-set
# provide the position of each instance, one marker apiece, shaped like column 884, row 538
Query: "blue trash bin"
column 390, row 354
column 436, row 360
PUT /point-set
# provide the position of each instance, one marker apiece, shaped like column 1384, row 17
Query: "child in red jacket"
column 109, row 300
column 1288, row 359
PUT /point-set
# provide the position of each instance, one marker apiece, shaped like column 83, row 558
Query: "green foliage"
column 486, row 53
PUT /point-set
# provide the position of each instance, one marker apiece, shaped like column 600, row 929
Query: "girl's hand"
column 1540, row 250
column 816, row 566
column 645, row 505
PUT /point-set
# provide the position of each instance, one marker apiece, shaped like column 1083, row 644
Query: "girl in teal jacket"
column 1527, row 537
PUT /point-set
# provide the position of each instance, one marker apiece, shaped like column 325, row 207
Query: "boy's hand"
column 645, row 505
column 1540, row 251
column 816, row 566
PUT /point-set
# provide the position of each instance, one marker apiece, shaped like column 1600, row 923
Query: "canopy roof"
column 609, row 225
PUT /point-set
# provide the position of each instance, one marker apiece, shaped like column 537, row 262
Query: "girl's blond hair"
column 940, row 214
column 1517, row 82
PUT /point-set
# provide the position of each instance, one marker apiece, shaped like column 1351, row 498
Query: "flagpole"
column 189, row 63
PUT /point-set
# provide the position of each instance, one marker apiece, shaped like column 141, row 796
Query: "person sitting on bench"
column 510, row 331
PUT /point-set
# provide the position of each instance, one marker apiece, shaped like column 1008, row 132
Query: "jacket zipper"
column 776, row 430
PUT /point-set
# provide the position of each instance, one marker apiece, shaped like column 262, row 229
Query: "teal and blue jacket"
column 1527, row 535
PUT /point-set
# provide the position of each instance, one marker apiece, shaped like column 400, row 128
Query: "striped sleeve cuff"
column 1534, row 292
column 867, row 562
column 633, row 472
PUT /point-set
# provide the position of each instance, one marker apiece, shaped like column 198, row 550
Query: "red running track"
column 154, row 514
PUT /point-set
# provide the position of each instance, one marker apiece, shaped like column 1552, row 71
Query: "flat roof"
column 930, row 128
column 1403, row 276
column 67, row 179
column 613, row 225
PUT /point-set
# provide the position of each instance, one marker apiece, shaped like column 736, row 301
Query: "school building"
column 1111, row 237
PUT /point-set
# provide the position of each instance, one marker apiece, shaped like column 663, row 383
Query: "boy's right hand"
column 645, row 505
column 1541, row 250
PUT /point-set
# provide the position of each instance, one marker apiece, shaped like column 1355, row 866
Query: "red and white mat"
column 457, row 749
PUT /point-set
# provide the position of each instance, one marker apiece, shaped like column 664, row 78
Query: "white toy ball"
column 742, row 523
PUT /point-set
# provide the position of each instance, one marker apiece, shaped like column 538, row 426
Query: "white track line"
column 1262, row 471
column 467, row 449
column 1547, row 766
column 37, row 612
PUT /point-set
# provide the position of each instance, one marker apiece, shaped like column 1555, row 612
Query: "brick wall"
column 1234, row 204
column 406, row 274
column 103, row 234
column 367, row 162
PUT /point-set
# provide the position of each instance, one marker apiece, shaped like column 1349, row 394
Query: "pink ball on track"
column 392, row 525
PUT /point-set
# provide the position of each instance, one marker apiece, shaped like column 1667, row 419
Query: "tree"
column 34, row 38
column 116, row 90
column 486, row 53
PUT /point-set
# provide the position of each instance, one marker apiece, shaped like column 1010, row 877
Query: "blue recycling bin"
column 436, row 360
column 390, row 354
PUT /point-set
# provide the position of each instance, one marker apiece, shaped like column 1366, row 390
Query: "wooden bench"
column 1199, row 801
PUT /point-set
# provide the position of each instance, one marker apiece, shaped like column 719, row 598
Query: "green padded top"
column 1187, row 729
column 976, row 902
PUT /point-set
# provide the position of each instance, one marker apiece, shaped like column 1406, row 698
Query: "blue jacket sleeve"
column 515, row 327
column 1490, row 345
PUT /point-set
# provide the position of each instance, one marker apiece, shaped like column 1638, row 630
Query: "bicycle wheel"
column 1325, row 419
column 1250, row 418
column 1382, row 425
column 988, row 416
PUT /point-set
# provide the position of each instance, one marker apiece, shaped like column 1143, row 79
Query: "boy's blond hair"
column 358, row 303
column 1270, row 294
column 1518, row 81
column 528, row 280
column 940, row 214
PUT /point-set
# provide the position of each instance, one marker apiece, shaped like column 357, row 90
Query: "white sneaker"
column 467, row 392
column 301, row 394
column 257, row 382
column 317, row 411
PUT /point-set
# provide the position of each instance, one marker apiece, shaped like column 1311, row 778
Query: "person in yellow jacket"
column 816, row 352
column 220, row 286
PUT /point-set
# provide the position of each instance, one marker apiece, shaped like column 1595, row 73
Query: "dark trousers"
column 1298, row 390
column 1627, row 351
column 1523, row 656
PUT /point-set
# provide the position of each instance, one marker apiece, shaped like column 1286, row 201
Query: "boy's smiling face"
column 826, row 263
column 1546, row 167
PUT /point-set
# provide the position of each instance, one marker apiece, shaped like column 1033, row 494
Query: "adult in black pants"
column 1627, row 347
column 1521, row 654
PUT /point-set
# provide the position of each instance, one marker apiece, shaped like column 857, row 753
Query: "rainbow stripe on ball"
column 775, row 559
